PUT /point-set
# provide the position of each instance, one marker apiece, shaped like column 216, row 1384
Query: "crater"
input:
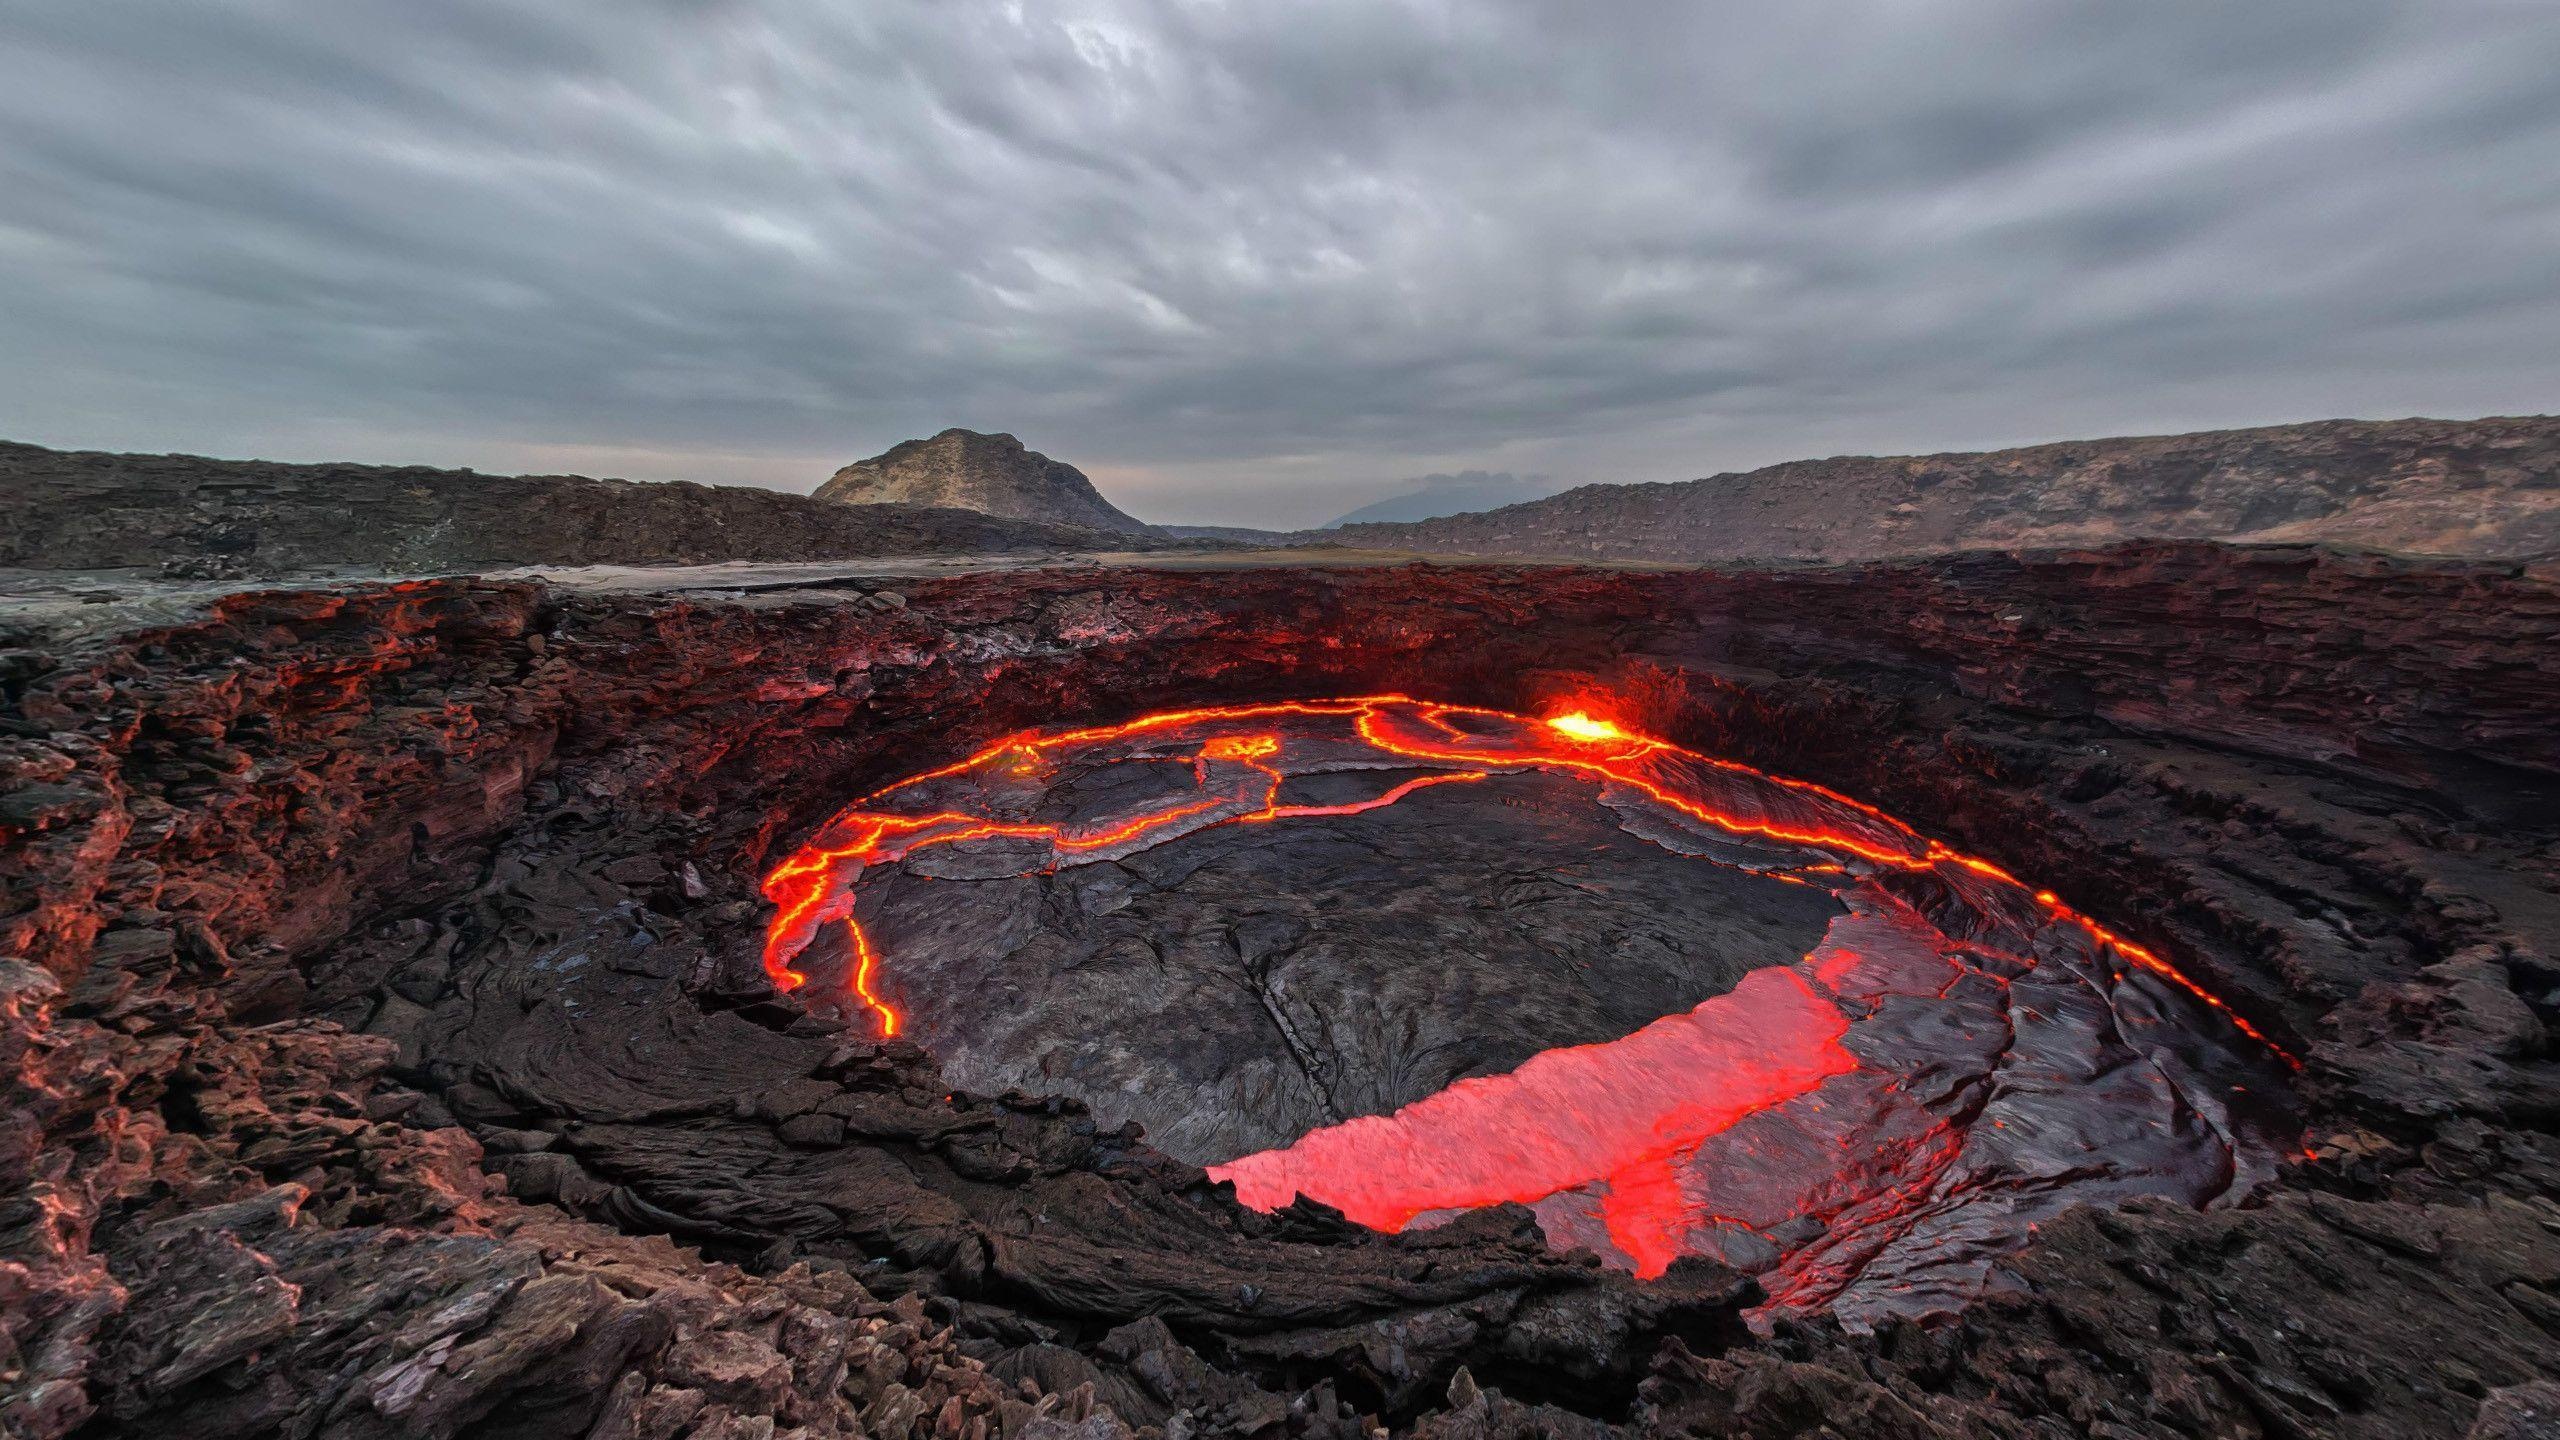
column 1298, row 1000
column 1408, row 958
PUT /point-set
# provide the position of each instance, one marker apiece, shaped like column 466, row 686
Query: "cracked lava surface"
column 1824, row 1048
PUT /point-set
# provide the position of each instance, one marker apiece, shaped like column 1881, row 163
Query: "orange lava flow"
column 1537, row 1130
column 1237, row 786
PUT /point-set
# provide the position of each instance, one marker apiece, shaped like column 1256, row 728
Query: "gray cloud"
column 1249, row 263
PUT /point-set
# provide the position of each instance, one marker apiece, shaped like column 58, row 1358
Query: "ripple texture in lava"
column 1408, row 959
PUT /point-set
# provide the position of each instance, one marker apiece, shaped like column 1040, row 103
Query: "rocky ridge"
column 2436, row 487
column 80, row 510
column 993, row 474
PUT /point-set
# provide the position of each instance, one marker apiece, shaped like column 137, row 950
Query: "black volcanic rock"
column 992, row 474
column 388, row 1007
column 82, row 510
column 2427, row 487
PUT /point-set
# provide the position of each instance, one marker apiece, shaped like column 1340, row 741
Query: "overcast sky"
column 1252, row 262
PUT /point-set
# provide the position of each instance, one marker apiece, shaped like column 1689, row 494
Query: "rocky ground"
column 309, row 1134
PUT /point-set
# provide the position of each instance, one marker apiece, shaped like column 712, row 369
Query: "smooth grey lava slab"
column 1236, row 988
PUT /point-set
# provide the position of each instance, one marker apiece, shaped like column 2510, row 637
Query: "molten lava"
column 1583, row 727
column 1535, row 1132
column 1703, row 1132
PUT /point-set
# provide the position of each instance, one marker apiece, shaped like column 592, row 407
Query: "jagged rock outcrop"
column 80, row 510
column 2430, row 487
column 391, row 1054
column 258, row 1239
column 992, row 474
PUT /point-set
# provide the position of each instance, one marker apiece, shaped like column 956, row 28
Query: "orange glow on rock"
column 865, row 969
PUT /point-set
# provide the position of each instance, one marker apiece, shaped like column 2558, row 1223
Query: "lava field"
column 2078, row 993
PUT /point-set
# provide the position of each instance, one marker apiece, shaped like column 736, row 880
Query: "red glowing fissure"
column 1522, row 1136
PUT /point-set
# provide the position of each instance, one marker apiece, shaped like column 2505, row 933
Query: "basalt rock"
column 391, row 1052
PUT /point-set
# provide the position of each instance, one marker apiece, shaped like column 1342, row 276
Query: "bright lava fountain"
column 1868, row 1127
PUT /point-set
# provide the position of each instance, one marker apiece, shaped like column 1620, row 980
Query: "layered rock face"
column 993, row 474
column 393, row 1052
column 64, row 510
column 2431, row 487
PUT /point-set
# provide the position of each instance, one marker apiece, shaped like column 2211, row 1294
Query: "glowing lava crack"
column 1868, row 1126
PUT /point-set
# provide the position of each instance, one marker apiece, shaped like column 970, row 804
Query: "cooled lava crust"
column 395, row 1051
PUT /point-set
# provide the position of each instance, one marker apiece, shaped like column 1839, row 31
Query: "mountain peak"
column 967, row 470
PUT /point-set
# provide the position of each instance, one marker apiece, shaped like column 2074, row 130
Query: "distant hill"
column 991, row 474
column 83, row 510
column 1433, row 496
column 1242, row 534
column 2443, row 487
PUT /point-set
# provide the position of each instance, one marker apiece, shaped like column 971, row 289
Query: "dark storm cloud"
column 1250, row 262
